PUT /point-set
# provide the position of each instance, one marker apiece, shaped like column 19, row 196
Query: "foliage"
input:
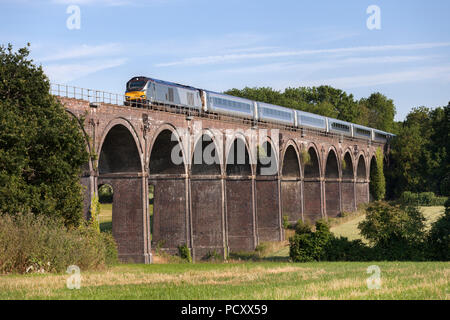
column 185, row 253
column 398, row 232
column 421, row 199
column 286, row 223
column 30, row 243
column 377, row 111
column 42, row 148
column 302, row 227
column 439, row 237
column 419, row 160
column 95, row 213
column 377, row 182
column 342, row 249
column 105, row 194
column 306, row 247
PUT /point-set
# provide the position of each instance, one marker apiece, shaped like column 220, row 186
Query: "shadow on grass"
column 106, row 226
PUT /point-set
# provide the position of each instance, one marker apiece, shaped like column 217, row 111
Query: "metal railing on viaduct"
column 259, row 173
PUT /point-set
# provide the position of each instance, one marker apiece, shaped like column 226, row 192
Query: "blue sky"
column 218, row 45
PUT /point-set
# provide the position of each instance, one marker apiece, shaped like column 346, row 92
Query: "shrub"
column 398, row 233
column 185, row 253
column 38, row 243
column 309, row 246
column 302, row 227
column 421, row 199
column 286, row 223
column 439, row 237
column 105, row 194
column 342, row 249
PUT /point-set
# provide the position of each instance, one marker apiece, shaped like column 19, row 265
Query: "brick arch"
column 274, row 154
column 290, row 144
column 128, row 157
column 291, row 184
column 332, row 175
column 230, row 143
column 348, row 152
column 331, row 150
column 239, row 201
column 312, row 185
column 170, row 190
column 361, row 172
column 312, row 146
column 218, row 147
column 183, row 144
column 361, row 185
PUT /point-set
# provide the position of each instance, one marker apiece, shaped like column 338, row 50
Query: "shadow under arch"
column 239, row 204
column 362, row 187
column 168, row 180
column 332, row 195
column 348, row 184
column 206, row 199
column 312, row 186
column 291, row 185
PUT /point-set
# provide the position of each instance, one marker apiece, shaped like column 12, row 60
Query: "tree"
column 378, row 111
column 42, row 148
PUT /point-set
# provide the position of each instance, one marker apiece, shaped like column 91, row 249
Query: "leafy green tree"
column 378, row 111
column 41, row 146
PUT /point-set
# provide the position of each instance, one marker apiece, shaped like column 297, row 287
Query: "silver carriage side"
column 338, row 126
column 230, row 105
column 272, row 113
column 306, row 119
column 362, row 132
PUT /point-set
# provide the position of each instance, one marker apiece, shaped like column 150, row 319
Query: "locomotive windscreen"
column 136, row 85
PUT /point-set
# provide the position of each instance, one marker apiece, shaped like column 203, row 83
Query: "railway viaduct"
column 221, row 206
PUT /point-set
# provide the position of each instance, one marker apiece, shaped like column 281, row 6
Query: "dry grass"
column 240, row 281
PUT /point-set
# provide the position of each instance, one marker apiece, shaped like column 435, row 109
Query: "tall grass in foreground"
column 30, row 243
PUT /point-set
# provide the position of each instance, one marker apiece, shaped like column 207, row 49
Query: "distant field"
column 264, row 280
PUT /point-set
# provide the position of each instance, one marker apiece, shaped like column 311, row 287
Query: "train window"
column 170, row 97
column 363, row 132
column 340, row 127
column 312, row 121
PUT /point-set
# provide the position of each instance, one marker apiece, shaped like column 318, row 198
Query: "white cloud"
column 370, row 80
column 84, row 51
column 63, row 73
column 215, row 59
column 326, row 64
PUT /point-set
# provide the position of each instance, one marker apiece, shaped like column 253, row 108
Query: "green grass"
column 268, row 280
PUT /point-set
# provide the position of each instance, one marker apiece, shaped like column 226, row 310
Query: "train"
column 144, row 90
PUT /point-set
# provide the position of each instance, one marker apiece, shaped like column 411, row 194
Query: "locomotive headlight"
column 143, row 96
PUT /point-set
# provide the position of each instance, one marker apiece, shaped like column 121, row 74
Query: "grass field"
column 268, row 280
